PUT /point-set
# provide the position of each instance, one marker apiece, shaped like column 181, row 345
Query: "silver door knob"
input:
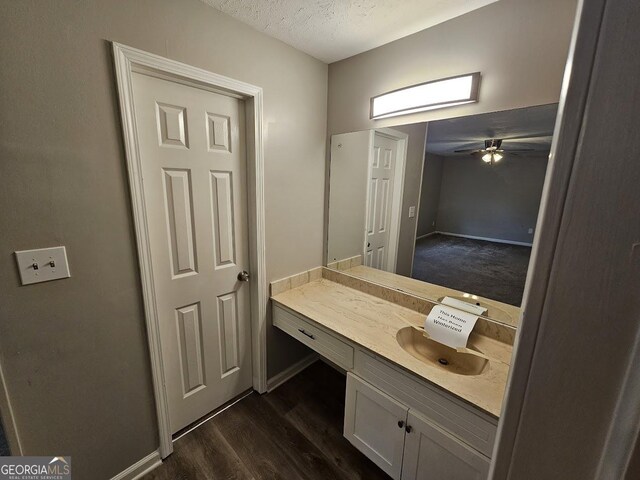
column 243, row 276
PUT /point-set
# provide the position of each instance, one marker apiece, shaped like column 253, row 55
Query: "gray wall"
column 410, row 195
column 522, row 61
column 430, row 194
column 500, row 201
column 74, row 351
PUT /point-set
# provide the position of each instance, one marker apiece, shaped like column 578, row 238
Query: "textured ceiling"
column 331, row 30
column 523, row 128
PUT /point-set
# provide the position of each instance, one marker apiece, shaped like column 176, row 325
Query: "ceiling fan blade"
column 524, row 138
column 467, row 150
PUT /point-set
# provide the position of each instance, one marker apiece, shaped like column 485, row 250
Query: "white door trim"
column 127, row 61
column 565, row 144
column 415, row 226
column 8, row 419
column 398, row 191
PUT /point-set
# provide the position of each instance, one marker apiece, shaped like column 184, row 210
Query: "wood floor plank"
column 292, row 433
column 261, row 455
column 319, row 414
column 202, row 454
column 300, row 451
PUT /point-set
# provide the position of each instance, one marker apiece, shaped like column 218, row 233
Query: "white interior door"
column 380, row 201
column 192, row 150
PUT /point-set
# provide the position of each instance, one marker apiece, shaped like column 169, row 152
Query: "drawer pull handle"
column 301, row 330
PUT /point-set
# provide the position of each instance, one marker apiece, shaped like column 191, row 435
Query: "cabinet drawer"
column 319, row 340
column 466, row 423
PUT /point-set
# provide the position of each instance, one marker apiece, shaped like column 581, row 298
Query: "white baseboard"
column 277, row 380
column 426, row 235
column 496, row 240
column 141, row 467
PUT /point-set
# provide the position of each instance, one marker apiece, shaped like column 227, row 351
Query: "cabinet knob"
column 400, row 423
column 409, row 428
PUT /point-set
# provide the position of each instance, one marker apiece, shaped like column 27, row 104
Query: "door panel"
column 227, row 313
column 194, row 174
column 190, row 338
column 222, row 210
column 177, row 196
column 374, row 424
column 432, row 454
column 379, row 202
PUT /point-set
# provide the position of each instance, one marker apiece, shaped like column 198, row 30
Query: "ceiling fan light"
column 486, row 158
column 497, row 157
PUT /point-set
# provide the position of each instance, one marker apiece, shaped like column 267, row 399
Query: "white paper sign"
column 449, row 326
column 462, row 305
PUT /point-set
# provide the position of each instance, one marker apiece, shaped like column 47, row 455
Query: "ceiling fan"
column 491, row 153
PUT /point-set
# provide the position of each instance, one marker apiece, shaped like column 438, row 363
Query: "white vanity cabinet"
column 403, row 443
column 411, row 429
column 432, row 454
column 375, row 424
column 314, row 337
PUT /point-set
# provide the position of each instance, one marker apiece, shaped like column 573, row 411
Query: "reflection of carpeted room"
column 488, row 269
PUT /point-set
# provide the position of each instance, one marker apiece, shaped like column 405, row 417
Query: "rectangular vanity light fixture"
column 446, row 92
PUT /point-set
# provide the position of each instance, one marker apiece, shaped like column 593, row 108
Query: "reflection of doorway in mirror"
column 378, row 247
column 366, row 185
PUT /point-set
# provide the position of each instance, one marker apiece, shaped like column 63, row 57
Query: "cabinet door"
column 375, row 424
column 432, row 454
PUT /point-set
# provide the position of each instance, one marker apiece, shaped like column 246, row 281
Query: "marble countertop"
column 372, row 323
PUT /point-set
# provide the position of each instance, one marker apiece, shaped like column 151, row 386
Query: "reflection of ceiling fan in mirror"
column 492, row 151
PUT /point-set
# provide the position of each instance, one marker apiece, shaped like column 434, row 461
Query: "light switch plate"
column 36, row 265
column 412, row 212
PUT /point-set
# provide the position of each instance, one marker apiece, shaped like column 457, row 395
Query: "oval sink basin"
column 493, row 312
column 469, row 361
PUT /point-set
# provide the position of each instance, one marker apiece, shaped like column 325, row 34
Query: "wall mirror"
column 444, row 208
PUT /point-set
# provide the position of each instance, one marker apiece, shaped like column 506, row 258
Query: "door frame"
column 556, row 193
column 415, row 226
column 402, row 140
column 8, row 419
column 127, row 61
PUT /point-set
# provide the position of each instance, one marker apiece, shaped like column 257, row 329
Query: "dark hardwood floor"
column 294, row 432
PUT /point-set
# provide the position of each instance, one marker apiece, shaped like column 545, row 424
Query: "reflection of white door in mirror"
column 380, row 194
column 480, row 246
column 362, row 214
